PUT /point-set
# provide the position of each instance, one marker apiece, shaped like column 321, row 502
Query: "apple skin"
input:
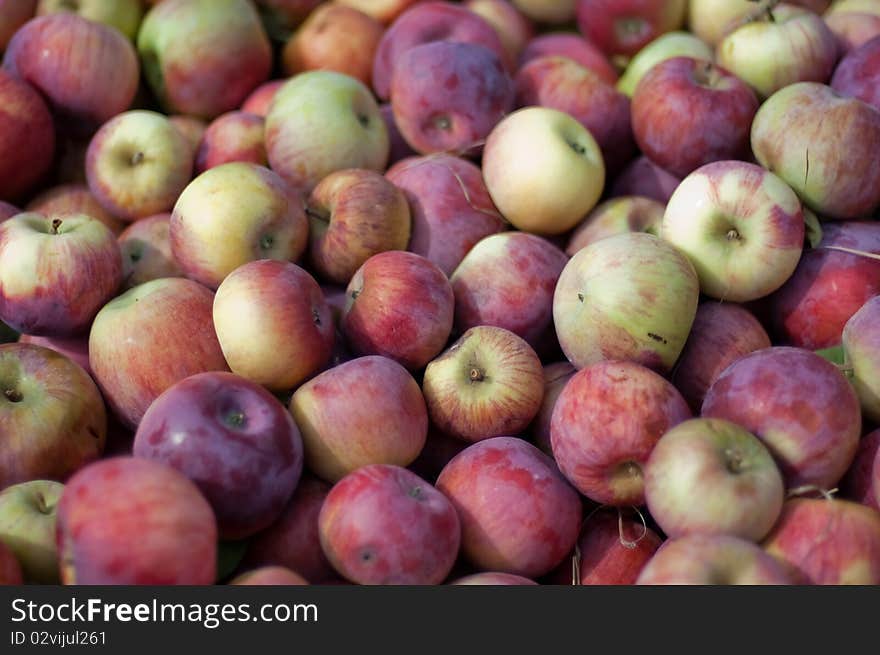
column 234, row 440
column 617, row 216
column 74, row 348
column 447, row 96
column 290, row 333
column 642, row 177
column 518, row 514
column 337, row 38
column 170, row 539
column 722, row 333
column 828, row 287
column 27, row 137
column 368, row 410
column 260, row 99
column 88, row 71
column 149, row 338
column 281, row 17
column 269, row 575
column 233, row 136
column 14, row 14
column 321, row 122
column 384, row 525
column 233, row 214
column 146, row 251
column 574, row 47
column 551, row 12
column 427, row 22
column 600, row 455
column 853, row 29
column 543, row 169
column 712, row 559
column 354, row 214
column 861, row 344
column 492, row 578
column 56, row 273
column 823, row 145
column 799, row 404
column 862, row 481
column 556, row 376
column 399, row 305
column 10, row 569
column 385, row 11
column 858, row 74
column 137, row 165
column 508, row 280
column 73, row 199
column 716, row 125
column 124, row 15
column 292, row 541
column 513, row 28
column 451, row 209
column 213, row 82
column 827, row 542
column 623, row 27
column 488, row 383
column 666, row 46
column 7, row 210
column 560, row 83
column 640, row 308
column 192, row 129
column 27, row 527
column 398, row 149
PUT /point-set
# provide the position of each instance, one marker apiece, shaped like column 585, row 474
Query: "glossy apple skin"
column 334, row 37
column 556, row 376
column 451, row 209
column 27, row 527
column 518, row 514
column 560, row 83
column 861, row 345
column 233, row 136
column 56, row 273
column 150, row 337
column 213, row 82
column 712, row 560
column 602, row 456
column 617, row 216
column 27, row 137
column 170, row 539
column 623, row 27
column 800, row 405
column 858, row 74
column 74, row 348
column 354, row 214
column 73, row 199
column 507, row 280
column 862, row 481
column 827, row 287
column 427, row 22
column 513, row 28
column 709, row 109
column 853, row 29
column 574, row 47
column 234, row 214
column 722, row 333
column 382, row 524
column 642, row 177
column 398, row 305
column 827, row 542
column 269, row 576
column 841, row 176
column 292, row 541
column 146, row 251
column 88, row 71
column 368, row 410
column 14, row 14
column 260, row 99
column 492, row 578
column 51, row 414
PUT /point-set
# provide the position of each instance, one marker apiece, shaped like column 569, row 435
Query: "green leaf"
column 835, row 355
column 813, row 227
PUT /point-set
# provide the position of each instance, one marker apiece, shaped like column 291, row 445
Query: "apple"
column 488, row 383
column 858, row 74
column 508, row 280
column 27, row 527
column 75, row 348
column 438, row 451
column 427, row 22
column 321, row 122
column 853, row 29
column 213, row 82
column 799, row 404
column 27, row 138
column 450, row 207
column 629, row 297
column 642, row 177
column 556, row 376
column 543, row 169
column 712, row 559
column 572, row 46
column 233, row 214
column 715, row 127
column 150, row 337
column 10, row 569
column 385, row 11
column 137, row 164
column 617, row 216
column 146, row 251
column 492, row 578
column 399, row 305
column 827, row 542
column 384, row 525
column 14, row 14
column 269, row 575
column 73, row 199
column 861, row 345
column 560, row 83
column 353, row 215
column 447, row 96
column 862, row 481
column 518, row 514
column 56, row 273
column 7, row 210
column 171, row 538
column 712, row 20
column 623, row 27
column 552, row 12
column 192, row 129
column 281, row 17
column 722, row 333
column 273, row 323
column 88, row 71
column 337, row 38
column 398, row 147
column 665, row 46
column 233, row 136
column 260, row 99
column 124, row 15
column 368, row 410
column 513, row 28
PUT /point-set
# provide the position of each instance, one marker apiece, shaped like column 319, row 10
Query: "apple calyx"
column 235, row 419
column 733, row 235
column 733, row 460
column 137, row 158
column 476, row 374
column 13, row 395
column 442, row 122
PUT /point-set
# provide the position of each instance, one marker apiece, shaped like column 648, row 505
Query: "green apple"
column 27, row 527
column 124, row 15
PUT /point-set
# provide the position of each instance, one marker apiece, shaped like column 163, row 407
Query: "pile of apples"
column 404, row 292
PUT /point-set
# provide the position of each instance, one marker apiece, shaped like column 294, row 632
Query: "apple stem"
column 764, row 10
column 42, row 505
column 827, row 494
column 318, row 216
column 851, row 251
column 137, row 158
column 576, row 565
column 56, row 225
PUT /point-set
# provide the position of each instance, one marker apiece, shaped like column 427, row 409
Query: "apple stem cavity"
column 137, row 158
column 56, row 225
column 267, row 241
column 13, row 395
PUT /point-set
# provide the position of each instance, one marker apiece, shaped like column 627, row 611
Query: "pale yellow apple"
column 124, row 15
column 667, row 46
column 553, row 12
column 854, row 7
column 710, row 20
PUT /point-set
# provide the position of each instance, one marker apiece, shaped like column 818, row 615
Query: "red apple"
column 234, row 136
column 7, row 210
column 73, row 199
column 574, row 47
column 861, row 347
column 14, row 14
column 260, row 99
column 399, row 148
column 617, row 216
column 556, row 376
column 853, row 29
column 10, row 569
column 513, row 28
column 862, row 481
column 27, row 137
column 269, row 575
column 642, row 177
column 858, row 74
column 74, row 348
column 146, row 251
column 623, row 27
column 192, row 129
